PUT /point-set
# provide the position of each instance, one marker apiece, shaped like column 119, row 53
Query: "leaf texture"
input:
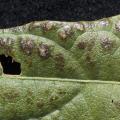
column 69, row 71
column 28, row 98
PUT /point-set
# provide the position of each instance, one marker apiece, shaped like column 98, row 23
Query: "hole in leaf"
column 10, row 66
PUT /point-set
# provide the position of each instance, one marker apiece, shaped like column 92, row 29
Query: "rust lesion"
column 89, row 60
column 48, row 25
column 81, row 45
column 4, row 42
column 44, row 50
column 65, row 32
column 106, row 43
column 59, row 61
column 117, row 26
column 78, row 26
column 91, row 44
column 88, row 45
column 27, row 45
column 10, row 94
column 104, row 23
column 116, row 103
column 53, row 98
column 40, row 103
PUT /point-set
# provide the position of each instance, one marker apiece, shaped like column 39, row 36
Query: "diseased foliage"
column 54, row 57
column 32, row 98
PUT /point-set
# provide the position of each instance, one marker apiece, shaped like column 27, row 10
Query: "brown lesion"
column 10, row 94
column 89, row 60
column 117, row 26
column 45, row 26
column 6, row 44
column 27, row 45
column 65, row 32
column 78, row 26
column 81, row 45
column 104, row 23
column 44, row 50
column 29, row 100
column 40, row 103
column 53, row 98
column 106, row 43
column 116, row 103
column 48, row 25
column 88, row 25
column 59, row 61
column 86, row 45
column 90, row 44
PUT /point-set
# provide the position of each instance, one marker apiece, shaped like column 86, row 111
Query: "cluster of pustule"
column 68, row 46
column 65, row 30
column 4, row 42
column 28, row 45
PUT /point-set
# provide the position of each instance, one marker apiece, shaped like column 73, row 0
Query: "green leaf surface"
column 23, row 98
column 69, row 71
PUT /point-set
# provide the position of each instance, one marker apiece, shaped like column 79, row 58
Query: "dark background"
column 17, row 12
